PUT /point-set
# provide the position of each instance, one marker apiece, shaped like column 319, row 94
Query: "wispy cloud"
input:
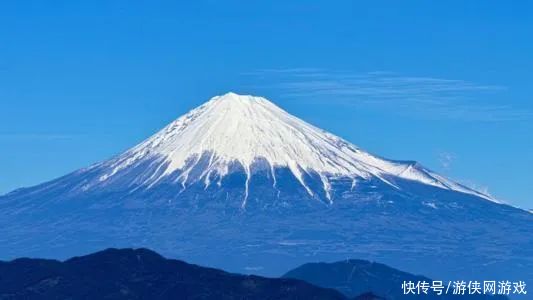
column 427, row 96
column 478, row 187
column 446, row 159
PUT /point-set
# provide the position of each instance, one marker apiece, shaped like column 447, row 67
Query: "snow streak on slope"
column 235, row 128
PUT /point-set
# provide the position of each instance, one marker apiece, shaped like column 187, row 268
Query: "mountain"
column 240, row 178
column 141, row 274
column 359, row 278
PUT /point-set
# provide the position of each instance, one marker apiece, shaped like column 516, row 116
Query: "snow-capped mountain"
column 240, row 178
column 246, row 131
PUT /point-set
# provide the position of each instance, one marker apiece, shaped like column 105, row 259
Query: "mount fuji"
column 238, row 183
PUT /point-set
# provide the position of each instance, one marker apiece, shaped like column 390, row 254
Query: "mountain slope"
column 356, row 277
column 141, row 274
column 238, row 176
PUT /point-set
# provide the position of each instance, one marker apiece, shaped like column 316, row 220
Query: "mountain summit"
column 252, row 133
column 240, row 178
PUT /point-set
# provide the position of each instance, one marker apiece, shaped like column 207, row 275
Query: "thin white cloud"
column 446, row 159
column 478, row 187
column 424, row 96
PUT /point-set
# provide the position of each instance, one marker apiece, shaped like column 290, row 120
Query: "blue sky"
column 447, row 83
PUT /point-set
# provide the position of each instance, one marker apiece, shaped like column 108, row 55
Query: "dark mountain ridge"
column 141, row 274
column 355, row 277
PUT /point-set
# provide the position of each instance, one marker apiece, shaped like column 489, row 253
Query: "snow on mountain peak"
column 242, row 128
